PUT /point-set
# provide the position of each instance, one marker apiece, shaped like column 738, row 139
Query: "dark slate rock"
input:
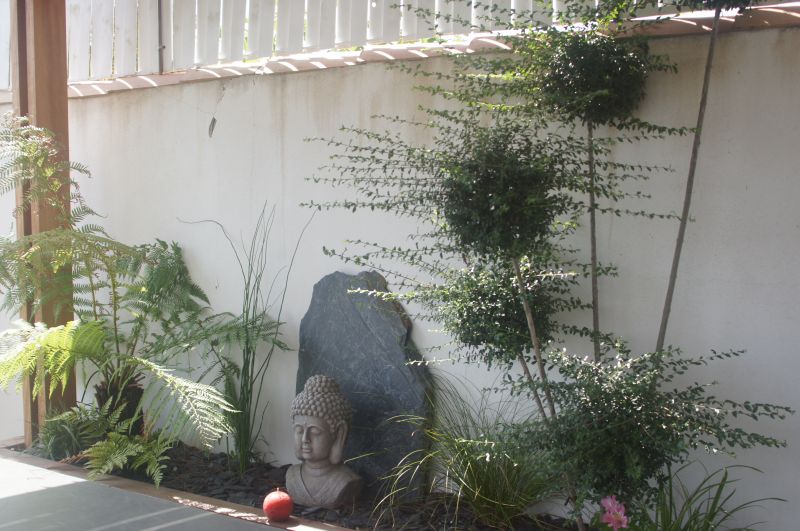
column 363, row 342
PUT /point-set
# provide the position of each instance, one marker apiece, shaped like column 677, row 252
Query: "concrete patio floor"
column 36, row 494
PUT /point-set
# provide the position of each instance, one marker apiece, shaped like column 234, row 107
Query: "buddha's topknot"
column 321, row 397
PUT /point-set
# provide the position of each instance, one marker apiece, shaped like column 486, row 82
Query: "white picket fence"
column 115, row 38
column 112, row 38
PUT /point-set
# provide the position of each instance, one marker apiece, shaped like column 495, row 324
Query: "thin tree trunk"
column 593, row 240
column 537, row 349
column 687, row 200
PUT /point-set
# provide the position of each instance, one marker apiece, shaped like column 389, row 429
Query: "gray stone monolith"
column 363, row 342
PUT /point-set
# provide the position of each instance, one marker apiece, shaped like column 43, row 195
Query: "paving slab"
column 38, row 495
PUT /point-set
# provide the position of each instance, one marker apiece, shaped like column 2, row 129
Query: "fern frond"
column 184, row 408
column 134, row 452
column 153, row 457
column 40, row 352
column 112, row 453
column 16, row 361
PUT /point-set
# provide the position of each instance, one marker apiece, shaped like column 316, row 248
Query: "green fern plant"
column 137, row 309
column 103, row 439
column 67, row 434
column 134, row 452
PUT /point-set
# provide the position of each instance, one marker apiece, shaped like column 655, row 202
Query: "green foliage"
column 498, row 188
column 103, row 439
column 31, row 161
column 705, row 507
column 68, row 434
column 258, row 337
column 624, row 420
column 471, row 456
column 588, row 76
column 480, row 307
column 502, row 193
column 187, row 407
column 137, row 307
column 120, row 451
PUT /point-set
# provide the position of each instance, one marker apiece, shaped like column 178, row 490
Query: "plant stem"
column 537, row 349
column 687, row 200
column 593, row 240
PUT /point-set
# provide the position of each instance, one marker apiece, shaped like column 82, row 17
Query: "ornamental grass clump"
column 471, row 461
column 708, row 505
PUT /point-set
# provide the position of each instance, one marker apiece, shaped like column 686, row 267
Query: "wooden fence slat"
column 79, row 28
column 5, row 44
column 391, row 20
column 183, row 30
column 167, row 36
column 148, row 37
column 102, row 38
column 282, row 29
column 343, row 22
column 384, row 21
column 358, row 21
column 375, row 20
column 261, row 28
column 327, row 31
column 291, row 15
column 313, row 24
column 207, row 46
column 125, row 41
column 226, row 21
column 418, row 26
column 526, row 11
column 522, row 6
column 462, row 17
column 533, row 11
column 502, row 15
column 232, row 31
column 408, row 19
column 427, row 27
column 444, row 10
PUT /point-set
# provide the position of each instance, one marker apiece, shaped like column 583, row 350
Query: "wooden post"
column 39, row 82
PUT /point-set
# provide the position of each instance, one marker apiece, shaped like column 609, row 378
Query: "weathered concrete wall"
column 156, row 166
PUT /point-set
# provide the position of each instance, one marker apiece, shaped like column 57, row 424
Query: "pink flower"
column 614, row 515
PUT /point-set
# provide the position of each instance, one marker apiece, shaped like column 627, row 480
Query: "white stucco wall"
column 11, row 425
column 155, row 165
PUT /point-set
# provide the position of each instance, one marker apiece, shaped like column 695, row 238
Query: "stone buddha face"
column 314, row 440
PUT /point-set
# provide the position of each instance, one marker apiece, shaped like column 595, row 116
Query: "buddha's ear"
column 337, row 450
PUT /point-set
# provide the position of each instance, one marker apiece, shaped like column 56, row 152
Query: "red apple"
column 278, row 506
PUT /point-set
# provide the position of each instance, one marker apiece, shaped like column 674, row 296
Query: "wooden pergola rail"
column 39, row 81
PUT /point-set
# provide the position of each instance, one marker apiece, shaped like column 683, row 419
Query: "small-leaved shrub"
column 623, row 421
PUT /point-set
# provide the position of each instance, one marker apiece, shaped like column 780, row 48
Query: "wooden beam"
column 39, row 82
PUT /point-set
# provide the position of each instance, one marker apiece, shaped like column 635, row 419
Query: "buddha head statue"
column 321, row 419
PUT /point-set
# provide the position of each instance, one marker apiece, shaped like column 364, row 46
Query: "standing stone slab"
column 363, row 342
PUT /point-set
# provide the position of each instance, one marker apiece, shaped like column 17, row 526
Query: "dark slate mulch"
column 209, row 474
